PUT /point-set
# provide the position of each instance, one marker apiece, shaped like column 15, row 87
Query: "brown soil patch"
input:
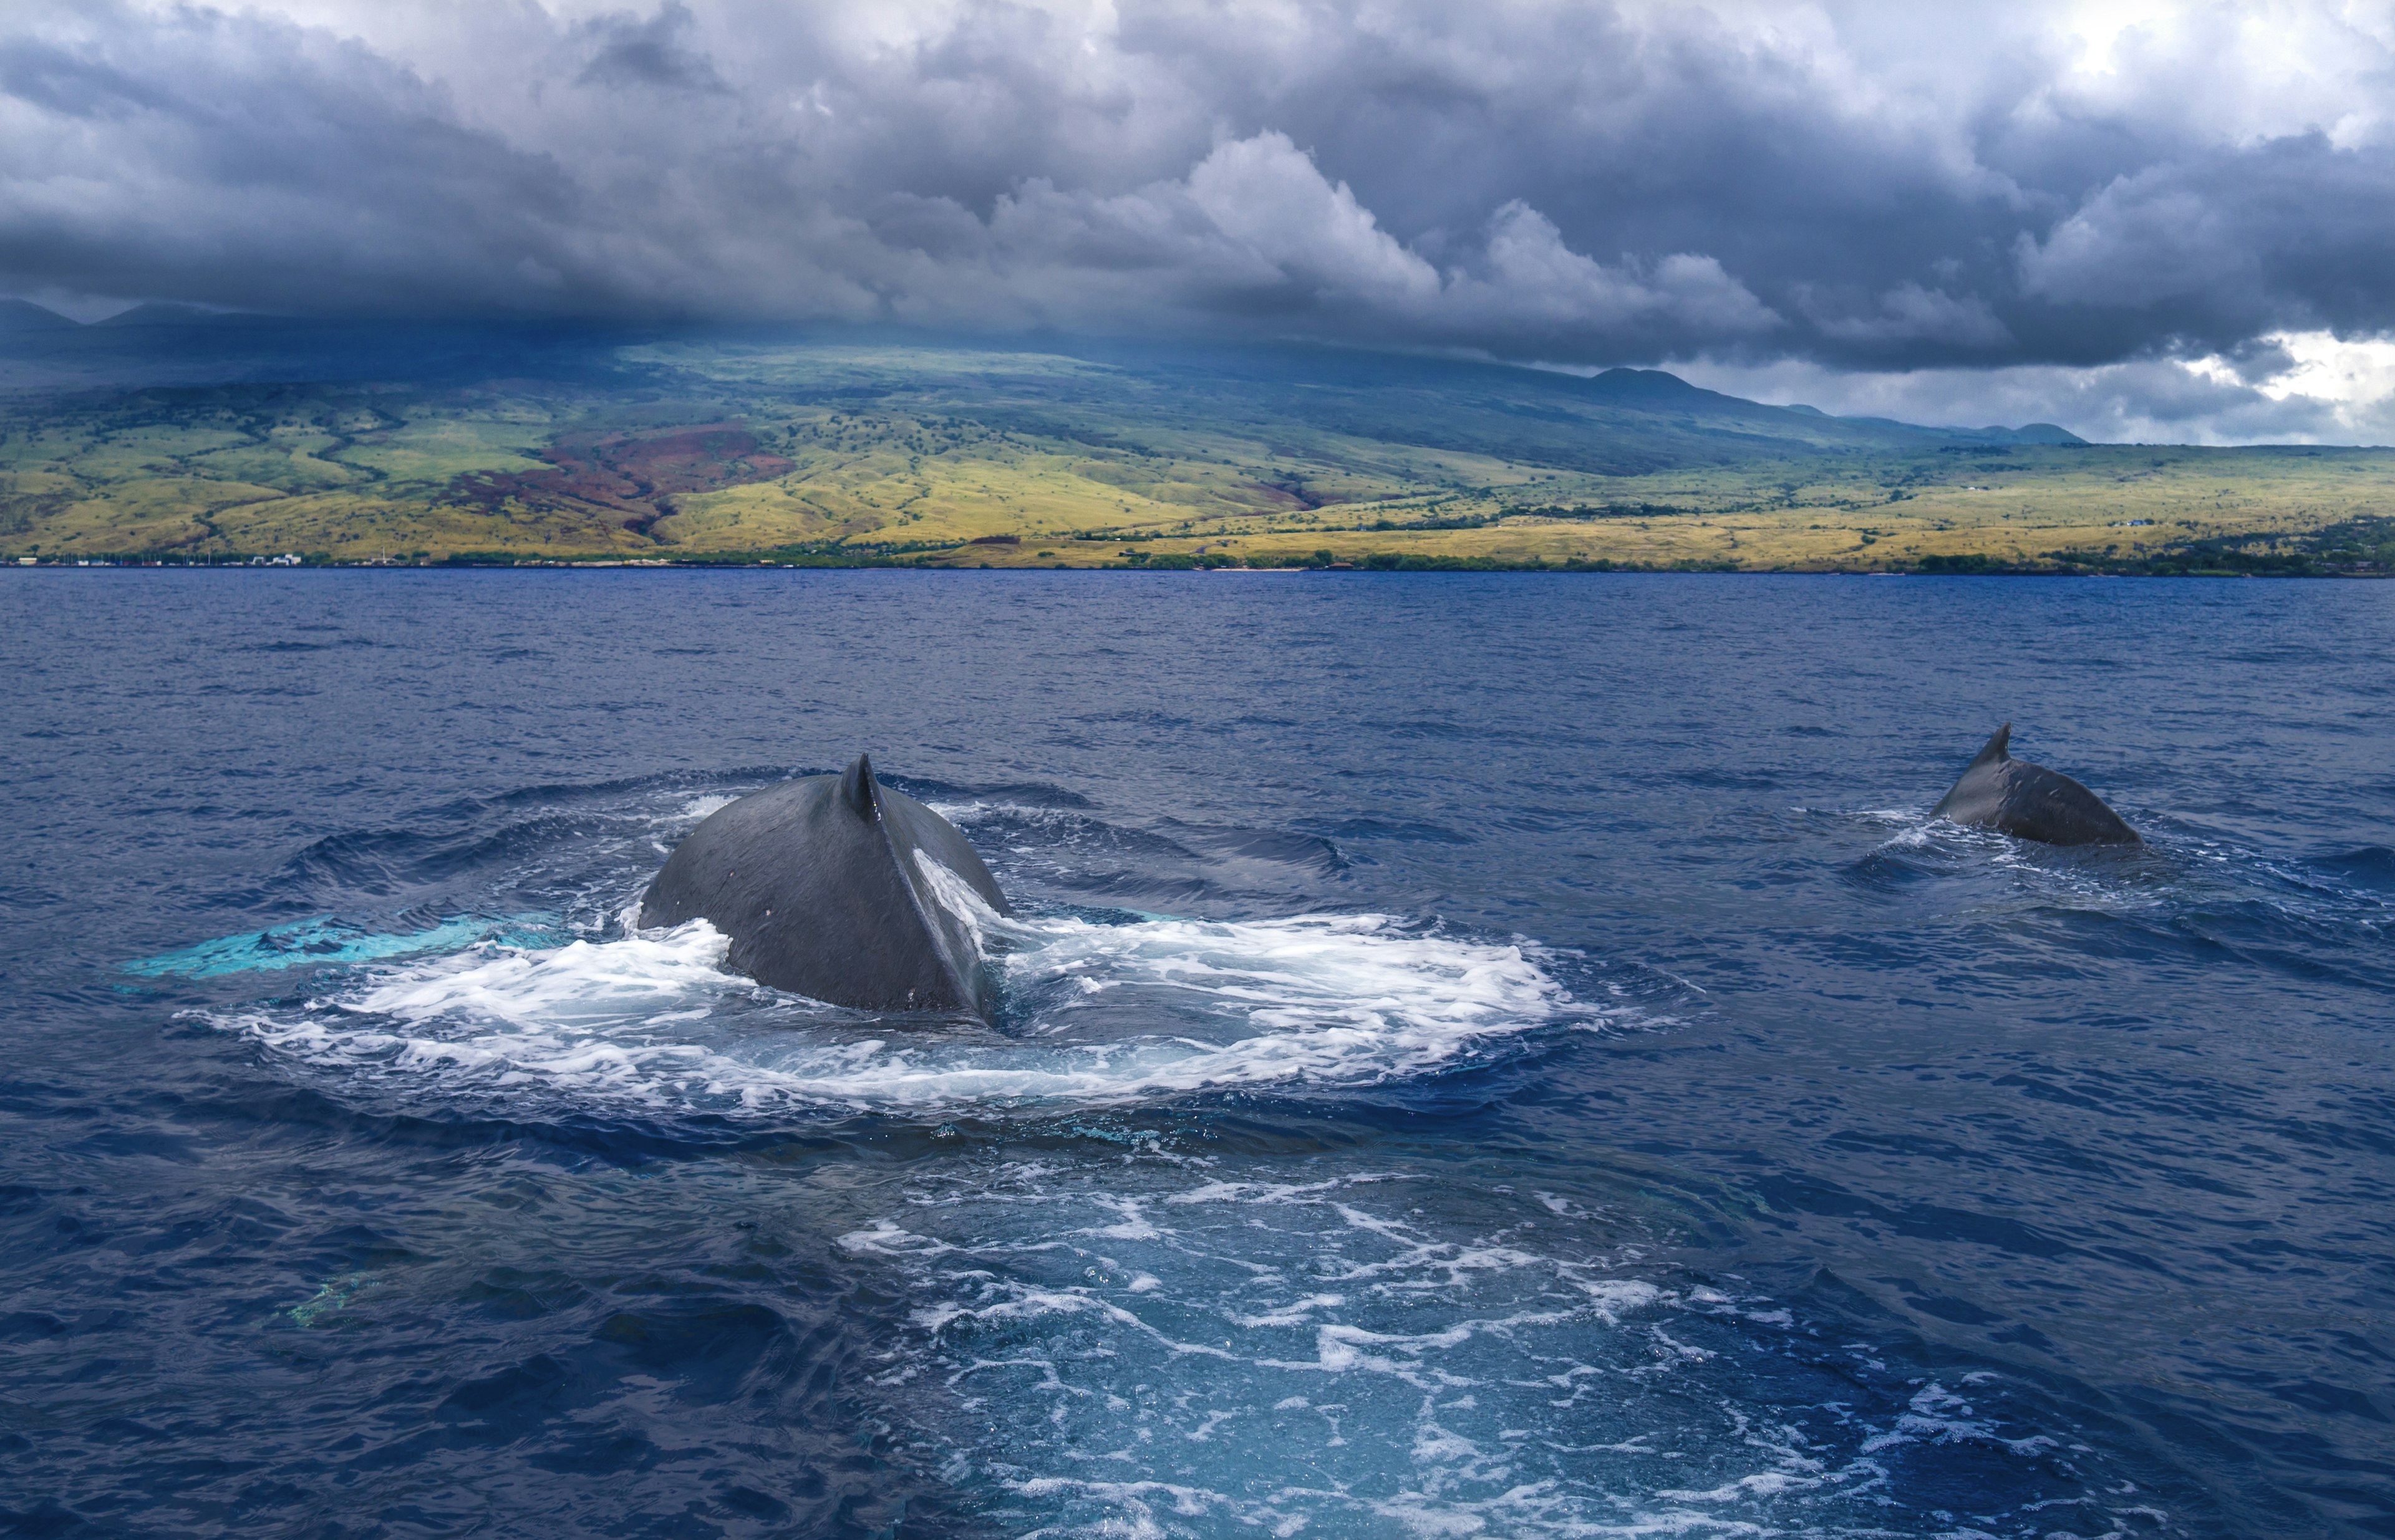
column 627, row 478
column 1283, row 499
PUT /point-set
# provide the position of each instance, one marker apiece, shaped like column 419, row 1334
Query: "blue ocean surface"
column 1478, row 1056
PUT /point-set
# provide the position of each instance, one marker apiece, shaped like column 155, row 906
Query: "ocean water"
column 1479, row 1057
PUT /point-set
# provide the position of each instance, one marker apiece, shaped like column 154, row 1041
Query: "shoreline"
column 1339, row 570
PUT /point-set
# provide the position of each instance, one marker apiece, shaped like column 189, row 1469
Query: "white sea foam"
column 1155, row 1341
column 1107, row 1014
column 583, row 982
column 1152, row 1347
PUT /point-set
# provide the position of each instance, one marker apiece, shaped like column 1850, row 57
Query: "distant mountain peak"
column 2035, row 433
column 1658, row 389
column 23, row 315
column 161, row 313
column 1651, row 384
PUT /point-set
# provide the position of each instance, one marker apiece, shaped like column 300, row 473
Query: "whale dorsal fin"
column 860, row 791
column 1999, row 749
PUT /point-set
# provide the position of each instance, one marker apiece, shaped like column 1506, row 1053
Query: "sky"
column 2145, row 222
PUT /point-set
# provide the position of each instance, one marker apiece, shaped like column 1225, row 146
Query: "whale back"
column 2028, row 802
column 837, row 888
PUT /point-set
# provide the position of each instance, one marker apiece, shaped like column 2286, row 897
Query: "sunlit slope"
column 714, row 449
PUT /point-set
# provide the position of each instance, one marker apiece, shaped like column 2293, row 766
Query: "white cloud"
column 2323, row 391
column 1256, row 228
column 1268, row 196
column 1529, row 279
column 1934, row 195
column 2348, row 382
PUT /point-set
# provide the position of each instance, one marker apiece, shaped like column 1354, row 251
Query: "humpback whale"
column 2028, row 800
column 839, row 888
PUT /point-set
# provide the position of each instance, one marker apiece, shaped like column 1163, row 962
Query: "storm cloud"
column 2151, row 195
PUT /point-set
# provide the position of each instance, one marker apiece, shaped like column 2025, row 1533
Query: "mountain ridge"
column 227, row 439
column 165, row 343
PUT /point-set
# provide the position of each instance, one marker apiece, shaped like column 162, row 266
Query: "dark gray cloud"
column 1846, row 188
column 636, row 51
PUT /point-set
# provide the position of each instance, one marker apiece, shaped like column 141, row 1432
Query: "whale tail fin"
column 1998, row 749
column 859, row 790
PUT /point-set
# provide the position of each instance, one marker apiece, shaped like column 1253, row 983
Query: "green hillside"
column 182, row 437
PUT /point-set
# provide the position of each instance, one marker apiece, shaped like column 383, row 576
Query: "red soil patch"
column 628, row 479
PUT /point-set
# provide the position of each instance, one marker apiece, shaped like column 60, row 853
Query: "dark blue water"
column 1496, row 1056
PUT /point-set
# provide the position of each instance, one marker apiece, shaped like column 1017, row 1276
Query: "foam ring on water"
column 1116, row 1014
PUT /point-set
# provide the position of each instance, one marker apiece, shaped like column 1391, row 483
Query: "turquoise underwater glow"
column 328, row 942
column 1475, row 1056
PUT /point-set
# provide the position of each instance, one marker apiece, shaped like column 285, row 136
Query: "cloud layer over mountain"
column 1838, row 193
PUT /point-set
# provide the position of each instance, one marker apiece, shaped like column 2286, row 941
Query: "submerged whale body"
column 839, row 888
column 2028, row 800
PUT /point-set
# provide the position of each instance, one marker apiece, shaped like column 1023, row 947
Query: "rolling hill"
column 170, row 434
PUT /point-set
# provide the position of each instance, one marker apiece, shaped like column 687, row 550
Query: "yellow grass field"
column 890, row 453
